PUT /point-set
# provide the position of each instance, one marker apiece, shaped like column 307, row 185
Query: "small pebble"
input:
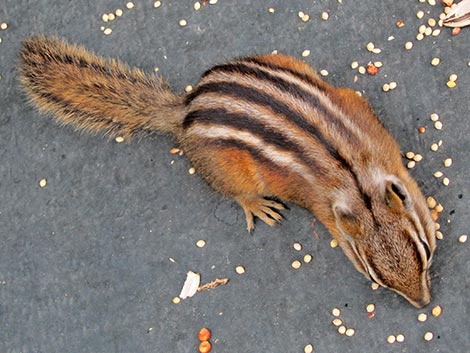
column 130, row 5
column 342, row 329
column 192, row 170
column 422, row 317
column 463, row 238
column 448, row 162
column 183, row 22
column 42, row 183
column 240, row 270
column 307, row 258
column 296, row 264
column 336, row 312
column 400, row 338
column 438, row 125
column 428, row 336
column 305, row 53
column 308, row 348
column 391, row 339
column 435, row 61
column 200, row 243
column 436, row 311
column 408, row 45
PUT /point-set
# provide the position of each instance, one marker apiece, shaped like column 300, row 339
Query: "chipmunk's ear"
column 396, row 195
column 347, row 220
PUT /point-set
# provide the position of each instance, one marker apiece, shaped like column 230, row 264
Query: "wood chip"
column 215, row 283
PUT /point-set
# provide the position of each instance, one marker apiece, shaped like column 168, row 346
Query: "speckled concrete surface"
column 84, row 262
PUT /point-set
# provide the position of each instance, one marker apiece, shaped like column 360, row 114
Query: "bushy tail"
column 95, row 94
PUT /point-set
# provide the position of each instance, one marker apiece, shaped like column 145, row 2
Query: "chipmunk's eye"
column 427, row 250
column 399, row 192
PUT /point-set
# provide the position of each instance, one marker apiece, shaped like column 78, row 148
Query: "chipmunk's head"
column 391, row 239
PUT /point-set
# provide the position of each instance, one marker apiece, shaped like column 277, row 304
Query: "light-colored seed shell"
column 438, row 174
column 176, row 300
column 431, row 201
column 308, row 348
column 435, row 61
column 393, row 85
column 408, row 45
column 463, row 238
column 350, row 332
column 370, row 308
column 183, row 22
column 446, row 181
column 354, row 65
column 200, row 243
column 420, row 36
column 107, row 31
column 436, row 311
column 434, row 147
column 296, row 264
column 130, row 5
column 336, row 312
column 438, row 125
column 197, row 6
column 422, row 317
column 420, row 14
column 240, row 270
column 410, row 155
column 337, row 322
column 300, row 14
column 428, row 336
column 305, row 53
column 192, row 170
column 448, row 162
column 42, row 183
column 376, row 50
column 370, row 46
column 439, row 235
column 307, row 258
column 434, row 117
column 324, row 16
column 342, row 329
column 440, row 143
column 333, row 243
column 451, row 84
column 118, row 12
column 391, row 339
column 411, row 164
column 361, row 70
column 400, row 338
column 374, row 286
column 418, row 158
column 386, row 87
column 297, row 246
column 437, row 225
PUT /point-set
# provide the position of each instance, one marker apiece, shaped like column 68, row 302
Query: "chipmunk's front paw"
column 261, row 208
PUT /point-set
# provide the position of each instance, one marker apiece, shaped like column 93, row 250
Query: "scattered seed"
column 434, row 147
column 378, row 63
column 301, row 14
column 205, row 347
column 200, row 243
column 337, row 322
column 411, row 164
column 421, row 129
column 435, row 61
column 107, row 31
column 374, row 286
column 439, row 208
column 350, row 332
column 438, row 174
column 447, row 3
column 391, row 339
column 432, row 22
column 105, row 17
column 240, row 270
column 428, row 31
column 213, row 2
column 305, row 53
column 408, row 45
column 336, row 312
column 42, row 183
column 439, row 235
column 324, row 72
column 434, row 117
column 418, row 158
column 428, row 336
column 436, row 32
column 438, row 124
column 192, row 170
column 183, row 22
column 354, row 65
column 305, row 18
column 297, row 246
column 410, row 155
column 422, row 29
column 333, row 243
column 176, row 300
column 3, row 25
column 448, row 162
column 308, row 348
column 118, row 12
column 324, row 16
column 296, row 264
column 370, row 308
column 111, row 17
column 361, row 70
column 431, row 201
column 453, row 77
column 432, row 2
column 197, row 6
column 130, row 5
column 370, row 46
column 446, row 181
column 437, row 225
column 420, row 36
column 400, row 24
column 376, row 50
column 342, row 329
column 436, row 311
column 157, row 4
column 307, row 258
column 188, row 88
column 451, row 84
column 400, row 338
column 386, row 87
column 422, row 317
column 463, row 238
column 174, row 150
column 420, row 14
column 456, row 31
column 393, row 85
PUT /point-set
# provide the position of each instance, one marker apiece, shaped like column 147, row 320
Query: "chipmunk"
column 260, row 129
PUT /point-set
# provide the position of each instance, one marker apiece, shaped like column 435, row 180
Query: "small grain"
column 400, row 24
column 188, row 88
column 422, row 129
column 200, row 243
column 386, row 87
column 422, row 29
column 428, row 336
column 307, row 258
column 176, row 300
column 240, row 270
column 192, row 170
column 436, row 311
column 374, row 286
column 350, row 332
column 370, row 46
column 212, row 2
column 439, row 235
column 453, row 77
column 336, row 312
column 118, row 12
column 428, row 31
column 342, row 329
column 418, row 158
column 432, row 2
column 361, row 70
column 174, row 150
column 296, row 264
column 297, row 246
column 378, row 64
column 438, row 125
column 411, row 164
column 432, row 22
column 456, row 31
column 337, row 322
column 300, row 14
column 333, row 243
column 130, row 5
column 463, row 238
column 370, row 308
column 451, row 84
column 305, row 18
column 376, row 50
column 422, row 317
column 354, row 65
column 438, row 174
column 439, row 208
column 157, row 4
column 42, row 183
column 105, row 17
column 448, row 162
column 111, row 17
column 435, row 61
column 325, row 16
column 420, row 14
column 391, row 339
column 119, row 139
column 305, row 53
column 3, row 26
column 436, row 32
column 183, row 23
column 420, row 36
column 446, row 181
column 434, row 117
column 431, row 201
column 400, row 338
column 107, row 31
column 410, row 155
column 408, row 45
column 308, row 348
column 197, row 6
column 393, row 85
column 434, row 147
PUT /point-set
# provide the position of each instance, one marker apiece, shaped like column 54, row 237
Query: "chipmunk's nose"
column 422, row 302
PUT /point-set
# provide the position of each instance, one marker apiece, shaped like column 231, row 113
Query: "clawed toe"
column 261, row 208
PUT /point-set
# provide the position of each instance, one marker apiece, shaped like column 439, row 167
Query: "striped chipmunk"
column 260, row 129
